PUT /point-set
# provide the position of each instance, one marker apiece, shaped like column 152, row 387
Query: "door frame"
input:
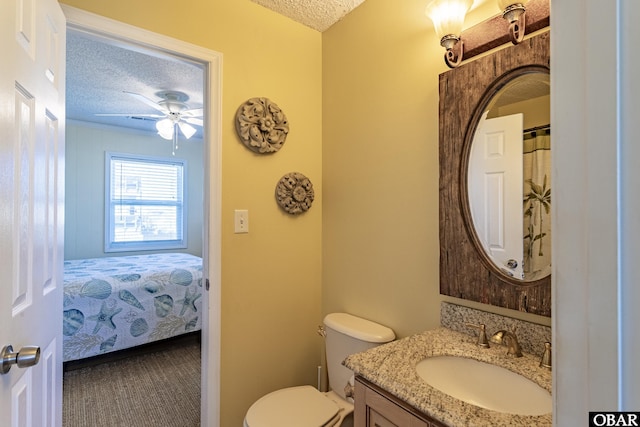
column 88, row 22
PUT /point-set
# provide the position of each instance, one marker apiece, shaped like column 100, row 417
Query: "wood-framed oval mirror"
column 466, row 269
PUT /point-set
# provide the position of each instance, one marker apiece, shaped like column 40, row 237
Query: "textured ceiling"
column 523, row 88
column 317, row 14
column 100, row 70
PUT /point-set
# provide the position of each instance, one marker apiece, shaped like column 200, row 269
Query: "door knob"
column 27, row 356
column 512, row 263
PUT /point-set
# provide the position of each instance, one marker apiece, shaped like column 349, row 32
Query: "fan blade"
column 194, row 112
column 193, row 121
column 147, row 101
column 154, row 116
column 187, row 129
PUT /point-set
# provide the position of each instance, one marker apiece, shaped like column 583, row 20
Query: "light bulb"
column 165, row 128
column 448, row 16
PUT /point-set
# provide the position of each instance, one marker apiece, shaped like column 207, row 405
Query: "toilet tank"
column 345, row 335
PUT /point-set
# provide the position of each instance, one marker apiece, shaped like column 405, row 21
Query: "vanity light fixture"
column 448, row 18
column 514, row 12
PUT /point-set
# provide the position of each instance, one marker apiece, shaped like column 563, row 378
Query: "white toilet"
column 305, row 406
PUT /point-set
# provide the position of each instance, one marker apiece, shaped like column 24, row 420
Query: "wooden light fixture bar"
column 494, row 31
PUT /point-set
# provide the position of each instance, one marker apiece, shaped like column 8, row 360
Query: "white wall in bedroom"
column 86, row 145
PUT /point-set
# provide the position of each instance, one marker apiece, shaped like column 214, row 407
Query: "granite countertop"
column 392, row 367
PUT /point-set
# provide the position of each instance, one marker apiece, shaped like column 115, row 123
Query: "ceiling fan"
column 175, row 114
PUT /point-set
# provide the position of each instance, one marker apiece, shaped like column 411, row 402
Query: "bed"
column 120, row 302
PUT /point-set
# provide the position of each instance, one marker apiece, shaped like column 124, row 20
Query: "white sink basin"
column 485, row 385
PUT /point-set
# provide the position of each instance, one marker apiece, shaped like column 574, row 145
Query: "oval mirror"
column 508, row 175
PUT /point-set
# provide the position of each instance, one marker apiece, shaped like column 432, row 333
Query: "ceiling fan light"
column 165, row 128
column 187, row 130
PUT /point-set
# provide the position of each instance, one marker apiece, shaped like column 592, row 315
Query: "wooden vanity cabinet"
column 375, row 407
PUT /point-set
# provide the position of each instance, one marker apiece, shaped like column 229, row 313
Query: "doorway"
column 171, row 51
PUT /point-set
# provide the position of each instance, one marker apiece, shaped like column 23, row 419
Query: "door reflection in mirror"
column 509, row 178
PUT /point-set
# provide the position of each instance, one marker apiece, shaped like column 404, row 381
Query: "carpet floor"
column 161, row 388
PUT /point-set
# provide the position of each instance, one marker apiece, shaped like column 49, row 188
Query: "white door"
column 495, row 190
column 32, row 42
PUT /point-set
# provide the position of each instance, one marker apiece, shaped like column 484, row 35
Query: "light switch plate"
column 241, row 221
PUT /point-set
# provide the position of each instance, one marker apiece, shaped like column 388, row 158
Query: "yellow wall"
column 271, row 277
column 380, row 158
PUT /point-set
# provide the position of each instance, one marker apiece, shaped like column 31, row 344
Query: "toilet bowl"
column 305, row 406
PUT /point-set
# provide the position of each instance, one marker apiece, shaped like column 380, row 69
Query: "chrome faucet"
column 509, row 339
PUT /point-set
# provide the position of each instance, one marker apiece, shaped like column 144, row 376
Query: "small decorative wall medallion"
column 294, row 193
column 261, row 125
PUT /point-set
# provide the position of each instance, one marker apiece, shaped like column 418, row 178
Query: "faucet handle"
column 545, row 361
column 482, row 334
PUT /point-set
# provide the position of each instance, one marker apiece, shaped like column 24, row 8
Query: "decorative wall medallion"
column 294, row 193
column 261, row 125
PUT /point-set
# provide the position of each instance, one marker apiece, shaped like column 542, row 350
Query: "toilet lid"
column 292, row 407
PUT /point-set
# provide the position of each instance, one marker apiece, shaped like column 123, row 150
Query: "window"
column 144, row 203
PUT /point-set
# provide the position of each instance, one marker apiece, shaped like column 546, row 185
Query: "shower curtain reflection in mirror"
column 537, row 202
